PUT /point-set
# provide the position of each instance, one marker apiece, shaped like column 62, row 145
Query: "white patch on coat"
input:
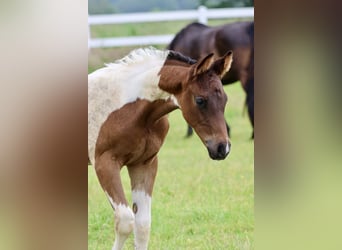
column 142, row 218
column 124, row 222
column 124, row 225
column 124, row 217
column 126, row 80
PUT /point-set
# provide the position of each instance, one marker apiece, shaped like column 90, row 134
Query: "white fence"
column 202, row 14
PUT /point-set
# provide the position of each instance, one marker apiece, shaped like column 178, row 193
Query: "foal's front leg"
column 142, row 179
column 108, row 173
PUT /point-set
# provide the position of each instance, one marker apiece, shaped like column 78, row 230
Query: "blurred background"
column 151, row 23
column 120, row 6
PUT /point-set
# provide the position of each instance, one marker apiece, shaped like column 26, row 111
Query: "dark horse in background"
column 197, row 40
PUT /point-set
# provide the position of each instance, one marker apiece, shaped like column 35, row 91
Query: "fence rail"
column 202, row 14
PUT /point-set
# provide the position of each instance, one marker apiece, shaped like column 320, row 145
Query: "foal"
column 128, row 103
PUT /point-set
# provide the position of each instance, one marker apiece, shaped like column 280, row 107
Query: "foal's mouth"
column 219, row 151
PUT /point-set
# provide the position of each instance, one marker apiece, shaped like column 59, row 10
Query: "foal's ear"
column 222, row 65
column 204, row 64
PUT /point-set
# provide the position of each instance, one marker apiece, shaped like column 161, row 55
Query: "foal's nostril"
column 221, row 150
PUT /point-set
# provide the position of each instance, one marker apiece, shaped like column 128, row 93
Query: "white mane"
column 136, row 76
column 138, row 56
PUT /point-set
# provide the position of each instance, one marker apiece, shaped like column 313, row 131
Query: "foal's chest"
column 130, row 135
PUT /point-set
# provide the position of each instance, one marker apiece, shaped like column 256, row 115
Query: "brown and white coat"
column 128, row 103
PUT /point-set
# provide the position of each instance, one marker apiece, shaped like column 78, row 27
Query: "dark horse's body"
column 197, row 40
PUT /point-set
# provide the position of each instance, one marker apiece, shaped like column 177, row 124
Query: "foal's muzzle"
column 218, row 151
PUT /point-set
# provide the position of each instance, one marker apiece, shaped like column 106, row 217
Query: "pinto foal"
column 128, row 103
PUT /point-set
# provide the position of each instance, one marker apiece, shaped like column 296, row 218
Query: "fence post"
column 202, row 14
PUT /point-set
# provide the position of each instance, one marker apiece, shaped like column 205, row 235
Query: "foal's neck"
column 173, row 74
column 162, row 108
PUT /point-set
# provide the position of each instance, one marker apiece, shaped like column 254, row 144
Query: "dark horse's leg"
column 189, row 132
column 250, row 81
column 250, row 102
column 228, row 129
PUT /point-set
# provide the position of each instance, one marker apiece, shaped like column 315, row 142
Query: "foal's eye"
column 200, row 101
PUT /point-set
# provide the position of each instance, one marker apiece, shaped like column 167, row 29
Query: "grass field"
column 197, row 203
column 141, row 29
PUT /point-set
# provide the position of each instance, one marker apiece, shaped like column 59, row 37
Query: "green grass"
column 142, row 29
column 197, row 203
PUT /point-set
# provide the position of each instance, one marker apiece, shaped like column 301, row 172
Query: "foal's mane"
column 143, row 56
column 174, row 55
column 140, row 55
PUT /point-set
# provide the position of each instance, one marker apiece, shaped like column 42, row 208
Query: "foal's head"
column 201, row 98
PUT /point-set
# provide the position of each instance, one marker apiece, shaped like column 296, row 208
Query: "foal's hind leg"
column 108, row 172
column 142, row 179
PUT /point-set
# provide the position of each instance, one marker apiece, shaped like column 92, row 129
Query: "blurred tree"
column 150, row 5
column 113, row 6
column 226, row 3
column 101, row 7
